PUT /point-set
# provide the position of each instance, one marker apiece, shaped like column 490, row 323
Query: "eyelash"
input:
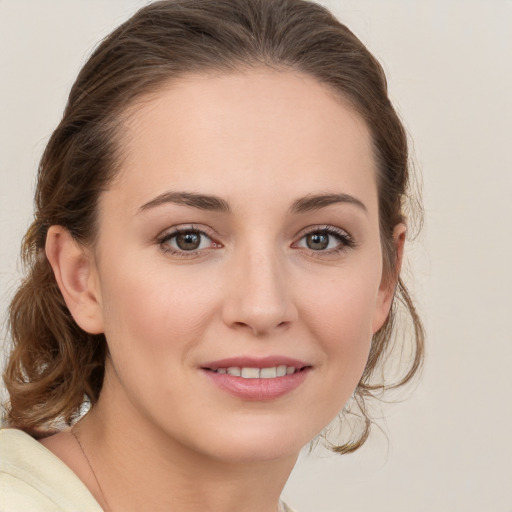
column 345, row 240
column 166, row 237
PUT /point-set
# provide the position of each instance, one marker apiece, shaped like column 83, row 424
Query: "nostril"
column 260, row 314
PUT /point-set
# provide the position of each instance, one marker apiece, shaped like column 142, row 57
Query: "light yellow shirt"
column 33, row 479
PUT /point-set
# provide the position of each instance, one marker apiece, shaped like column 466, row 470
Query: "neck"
column 141, row 467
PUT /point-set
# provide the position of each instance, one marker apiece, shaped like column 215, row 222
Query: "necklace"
column 73, row 433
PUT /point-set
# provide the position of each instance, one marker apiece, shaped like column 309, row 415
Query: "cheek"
column 340, row 316
column 344, row 306
column 154, row 310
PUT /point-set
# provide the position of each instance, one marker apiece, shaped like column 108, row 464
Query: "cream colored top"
column 33, row 479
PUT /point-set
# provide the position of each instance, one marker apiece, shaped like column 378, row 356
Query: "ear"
column 76, row 277
column 389, row 280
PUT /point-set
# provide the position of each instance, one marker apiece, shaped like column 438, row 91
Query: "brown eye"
column 184, row 241
column 188, row 241
column 317, row 241
column 326, row 240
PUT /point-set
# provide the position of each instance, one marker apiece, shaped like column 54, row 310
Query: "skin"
column 163, row 436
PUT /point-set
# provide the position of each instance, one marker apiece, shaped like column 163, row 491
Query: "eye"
column 186, row 240
column 326, row 239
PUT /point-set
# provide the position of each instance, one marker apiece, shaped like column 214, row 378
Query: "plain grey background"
column 448, row 447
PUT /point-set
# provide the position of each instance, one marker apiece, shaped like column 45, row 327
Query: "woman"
column 213, row 264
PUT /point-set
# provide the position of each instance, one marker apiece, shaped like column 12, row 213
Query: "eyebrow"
column 200, row 201
column 318, row 201
column 214, row 203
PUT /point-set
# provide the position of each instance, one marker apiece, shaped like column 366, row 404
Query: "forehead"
column 247, row 133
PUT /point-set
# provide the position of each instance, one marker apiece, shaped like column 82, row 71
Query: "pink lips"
column 257, row 389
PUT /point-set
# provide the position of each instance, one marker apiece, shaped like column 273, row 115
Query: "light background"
column 449, row 65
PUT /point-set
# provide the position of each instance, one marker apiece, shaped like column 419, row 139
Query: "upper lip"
column 255, row 362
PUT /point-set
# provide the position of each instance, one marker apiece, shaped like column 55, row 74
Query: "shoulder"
column 33, row 478
column 283, row 507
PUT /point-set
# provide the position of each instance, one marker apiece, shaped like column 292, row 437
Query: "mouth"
column 247, row 372
column 257, row 379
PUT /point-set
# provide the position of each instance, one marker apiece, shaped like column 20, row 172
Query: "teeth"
column 268, row 373
column 258, row 373
column 250, row 373
column 281, row 370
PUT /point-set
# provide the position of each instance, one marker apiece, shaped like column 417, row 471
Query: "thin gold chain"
column 73, row 433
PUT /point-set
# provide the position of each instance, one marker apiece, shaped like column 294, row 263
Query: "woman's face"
column 241, row 237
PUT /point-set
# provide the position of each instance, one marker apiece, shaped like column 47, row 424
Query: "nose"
column 258, row 297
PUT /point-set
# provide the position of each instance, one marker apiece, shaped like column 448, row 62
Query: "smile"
column 257, row 379
column 258, row 373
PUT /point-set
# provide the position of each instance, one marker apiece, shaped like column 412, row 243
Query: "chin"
column 263, row 448
column 257, row 441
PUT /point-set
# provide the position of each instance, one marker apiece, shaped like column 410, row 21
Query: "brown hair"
column 54, row 365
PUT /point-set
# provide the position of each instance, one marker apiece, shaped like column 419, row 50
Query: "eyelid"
column 172, row 232
column 346, row 240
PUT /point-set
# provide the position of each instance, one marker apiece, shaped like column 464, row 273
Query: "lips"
column 257, row 378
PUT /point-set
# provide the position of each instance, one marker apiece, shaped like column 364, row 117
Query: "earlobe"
column 390, row 279
column 73, row 269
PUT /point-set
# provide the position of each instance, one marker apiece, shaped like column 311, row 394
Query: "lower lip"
column 258, row 389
